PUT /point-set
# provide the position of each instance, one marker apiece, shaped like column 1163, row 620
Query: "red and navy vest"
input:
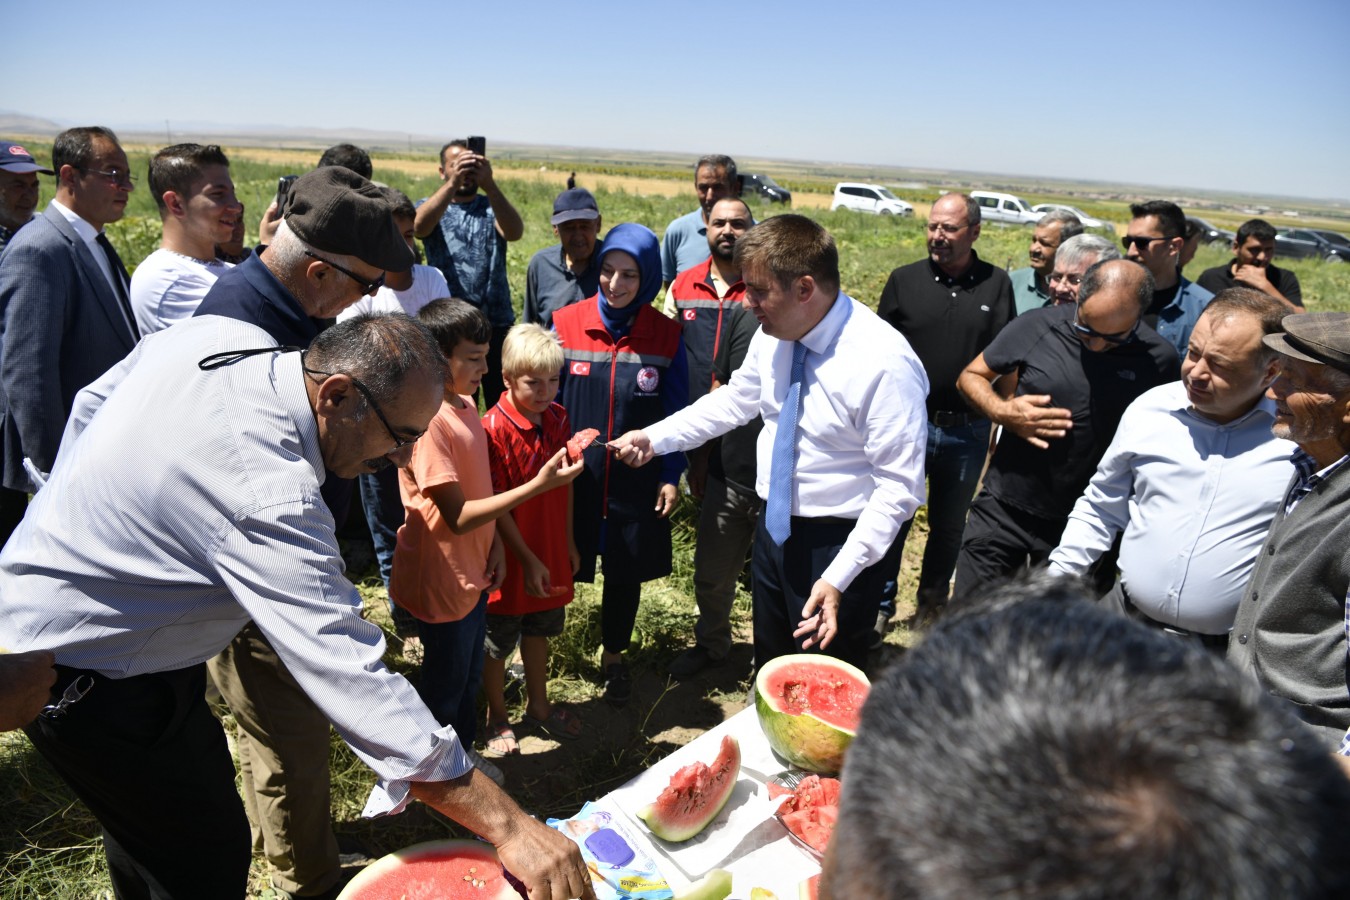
column 615, row 387
column 701, row 314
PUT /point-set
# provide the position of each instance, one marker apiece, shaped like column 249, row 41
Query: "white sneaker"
column 487, row 767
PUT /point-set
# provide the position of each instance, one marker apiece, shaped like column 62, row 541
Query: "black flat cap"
column 335, row 210
column 1322, row 338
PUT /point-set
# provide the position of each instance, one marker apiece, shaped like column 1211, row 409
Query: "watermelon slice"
column 809, row 812
column 809, row 889
column 578, row 442
column 695, row 795
column 808, row 707
column 438, row 870
column 716, row 885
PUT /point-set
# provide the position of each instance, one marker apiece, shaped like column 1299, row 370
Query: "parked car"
column 1306, row 243
column 1088, row 221
column 996, row 207
column 765, row 187
column 871, row 198
column 1213, row 234
column 1334, row 237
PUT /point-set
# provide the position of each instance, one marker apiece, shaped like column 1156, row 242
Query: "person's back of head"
column 452, row 320
column 349, row 156
column 1036, row 746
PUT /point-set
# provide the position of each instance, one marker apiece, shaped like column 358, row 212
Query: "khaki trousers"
column 283, row 761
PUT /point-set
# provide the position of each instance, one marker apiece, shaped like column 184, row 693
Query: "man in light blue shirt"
column 685, row 243
column 184, row 502
column 1192, row 480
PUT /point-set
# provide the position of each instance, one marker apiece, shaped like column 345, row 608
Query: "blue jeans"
column 954, row 459
column 452, row 670
column 384, row 515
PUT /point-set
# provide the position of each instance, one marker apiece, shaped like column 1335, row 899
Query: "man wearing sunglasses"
column 63, row 289
column 1191, row 481
column 1154, row 239
column 333, row 246
column 1065, row 376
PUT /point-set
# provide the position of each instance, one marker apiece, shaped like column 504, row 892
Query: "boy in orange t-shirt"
column 524, row 429
column 448, row 557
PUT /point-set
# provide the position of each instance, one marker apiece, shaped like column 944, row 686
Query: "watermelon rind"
column 716, row 885
column 676, row 815
column 805, row 740
column 375, row 880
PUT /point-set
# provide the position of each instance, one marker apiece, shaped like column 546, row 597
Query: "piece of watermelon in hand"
column 580, row 441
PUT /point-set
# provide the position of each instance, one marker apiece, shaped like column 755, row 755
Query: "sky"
column 1235, row 96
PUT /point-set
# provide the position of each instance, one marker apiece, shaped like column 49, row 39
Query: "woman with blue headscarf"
column 625, row 368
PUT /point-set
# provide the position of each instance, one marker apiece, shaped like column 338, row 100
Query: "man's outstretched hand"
column 633, row 448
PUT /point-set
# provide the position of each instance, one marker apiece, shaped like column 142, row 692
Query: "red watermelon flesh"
column 809, row 889
column 695, row 795
column 808, row 707
column 439, row 870
column 809, row 812
column 580, row 441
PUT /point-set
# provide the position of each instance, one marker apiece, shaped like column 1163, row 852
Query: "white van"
column 871, row 198
column 996, row 207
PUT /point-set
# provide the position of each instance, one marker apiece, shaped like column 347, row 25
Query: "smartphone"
column 477, row 145
column 283, row 191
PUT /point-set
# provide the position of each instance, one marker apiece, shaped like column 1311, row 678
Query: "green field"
column 49, row 847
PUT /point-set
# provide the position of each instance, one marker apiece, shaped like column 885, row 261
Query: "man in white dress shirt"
column 185, row 502
column 857, row 472
column 1192, row 478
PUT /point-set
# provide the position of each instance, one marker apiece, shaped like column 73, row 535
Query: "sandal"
column 561, row 723
column 501, row 741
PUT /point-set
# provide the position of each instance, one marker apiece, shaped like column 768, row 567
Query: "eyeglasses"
column 1140, row 242
column 399, row 442
column 118, row 177
column 367, row 287
column 1117, row 339
column 1065, row 278
column 944, row 228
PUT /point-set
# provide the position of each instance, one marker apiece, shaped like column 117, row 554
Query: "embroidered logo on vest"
column 648, row 379
column 580, row 368
column 690, row 315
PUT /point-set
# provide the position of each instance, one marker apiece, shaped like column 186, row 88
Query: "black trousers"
column 1000, row 541
column 783, row 577
column 150, row 761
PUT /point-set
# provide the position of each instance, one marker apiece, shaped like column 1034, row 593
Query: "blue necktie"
column 778, row 511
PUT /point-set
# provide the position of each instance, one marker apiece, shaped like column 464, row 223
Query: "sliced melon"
column 716, row 885
column 695, row 795
column 808, row 707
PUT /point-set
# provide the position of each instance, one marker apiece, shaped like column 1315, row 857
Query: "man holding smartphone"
column 465, row 233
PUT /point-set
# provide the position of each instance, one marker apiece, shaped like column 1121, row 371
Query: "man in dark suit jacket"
column 63, row 300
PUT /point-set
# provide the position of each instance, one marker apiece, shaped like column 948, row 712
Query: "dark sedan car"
column 1307, row 243
column 766, row 187
column 1213, row 234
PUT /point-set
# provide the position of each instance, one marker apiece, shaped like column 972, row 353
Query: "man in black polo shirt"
column 949, row 307
column 1076, row 369
column 1251, row 266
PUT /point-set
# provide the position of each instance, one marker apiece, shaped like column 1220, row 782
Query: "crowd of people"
column 180, row 446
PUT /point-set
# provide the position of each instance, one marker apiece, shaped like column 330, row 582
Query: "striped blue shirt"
column 184, row 503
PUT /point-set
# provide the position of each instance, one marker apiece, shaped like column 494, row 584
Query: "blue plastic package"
column 619, row 869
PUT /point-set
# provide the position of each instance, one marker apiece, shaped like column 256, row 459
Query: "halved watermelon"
column 695, row 795
column 580, row 441
column 438, row 870
column 808, row 707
